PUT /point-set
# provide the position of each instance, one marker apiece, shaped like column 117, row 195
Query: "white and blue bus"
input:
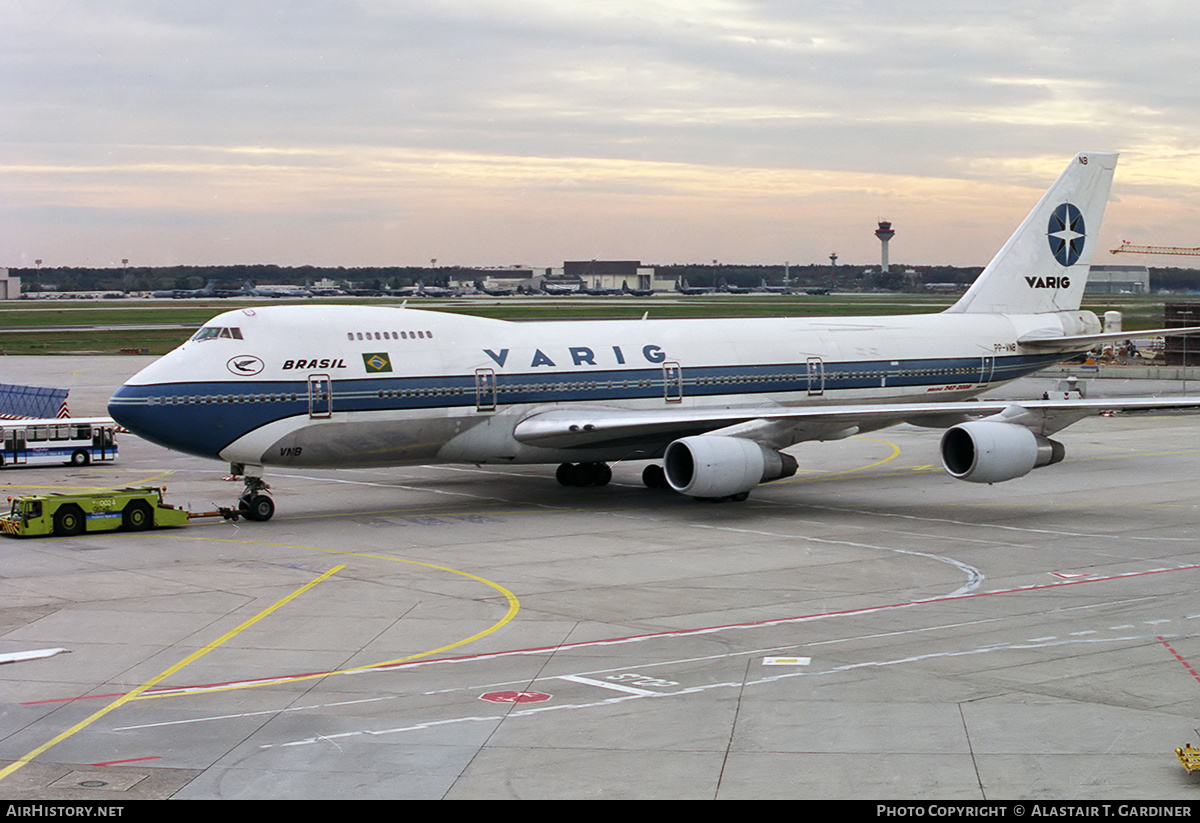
column 77, row 441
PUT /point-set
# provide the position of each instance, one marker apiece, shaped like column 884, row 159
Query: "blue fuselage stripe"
column 209, row 416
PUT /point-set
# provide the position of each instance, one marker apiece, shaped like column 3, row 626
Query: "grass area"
column 151, row 341
column 158, row 326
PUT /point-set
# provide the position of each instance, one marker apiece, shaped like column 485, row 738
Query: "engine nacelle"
column 986, row 451
column 713, row 465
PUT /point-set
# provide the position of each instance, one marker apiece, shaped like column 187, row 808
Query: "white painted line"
column 738, row 684
column 16, row 657
column 616, row 687
column 786, row 661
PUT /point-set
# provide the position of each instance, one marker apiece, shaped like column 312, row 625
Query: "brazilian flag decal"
column 376, row 363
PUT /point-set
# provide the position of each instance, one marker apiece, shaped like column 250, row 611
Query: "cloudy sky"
column 376, row 132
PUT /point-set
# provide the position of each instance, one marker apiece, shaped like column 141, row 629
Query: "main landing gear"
column 655, row 477
column 255, row 503
column 583, row 474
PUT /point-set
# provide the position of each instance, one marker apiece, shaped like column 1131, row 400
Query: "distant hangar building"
column 611, row 274
column 10, row 287
column 1118, row 280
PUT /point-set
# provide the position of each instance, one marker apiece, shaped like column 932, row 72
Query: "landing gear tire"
column 565, row 474
column 599, row 473
column 653, row 477
column 732, row 498
column 258, row 507
column 583, row 474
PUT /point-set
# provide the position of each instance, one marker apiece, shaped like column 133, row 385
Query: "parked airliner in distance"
column 715, row 401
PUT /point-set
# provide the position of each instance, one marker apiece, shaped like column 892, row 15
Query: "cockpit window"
column 210, row 332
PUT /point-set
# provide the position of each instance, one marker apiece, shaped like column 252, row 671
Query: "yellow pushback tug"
column 65, row 514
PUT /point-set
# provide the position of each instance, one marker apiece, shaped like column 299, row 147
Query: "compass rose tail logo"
column 1066, row 233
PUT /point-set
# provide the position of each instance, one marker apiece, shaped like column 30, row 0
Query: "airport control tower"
column 884, row 233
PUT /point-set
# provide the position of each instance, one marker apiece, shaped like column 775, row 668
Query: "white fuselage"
column 359, row 386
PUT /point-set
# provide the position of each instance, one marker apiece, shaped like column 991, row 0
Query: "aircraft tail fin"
column 1044, row 265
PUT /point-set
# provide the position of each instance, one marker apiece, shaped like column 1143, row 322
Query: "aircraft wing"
column 781, row 425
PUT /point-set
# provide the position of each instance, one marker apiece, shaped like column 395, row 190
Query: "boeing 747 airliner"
column 716, row 401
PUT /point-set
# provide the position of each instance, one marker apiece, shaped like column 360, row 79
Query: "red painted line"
column 131, row 760
column 612, row 641
column 1186, row 665
column 71, row 699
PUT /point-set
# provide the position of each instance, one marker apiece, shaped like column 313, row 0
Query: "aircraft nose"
column 130, row 407
column 147, row 412
column 121, row 410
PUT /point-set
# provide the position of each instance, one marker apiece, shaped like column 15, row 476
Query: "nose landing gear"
column 255, row 502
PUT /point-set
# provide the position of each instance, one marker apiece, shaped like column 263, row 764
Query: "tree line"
column 901, row 277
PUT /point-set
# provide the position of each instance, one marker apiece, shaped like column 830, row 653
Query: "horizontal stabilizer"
column 1082, row 341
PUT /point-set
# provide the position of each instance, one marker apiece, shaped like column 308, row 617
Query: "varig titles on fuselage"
column 580, row 356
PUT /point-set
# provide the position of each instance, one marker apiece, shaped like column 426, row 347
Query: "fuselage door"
column 485, row 390
column 816, row 377
column 320, row 396
column 672, row 382
column 986, row 368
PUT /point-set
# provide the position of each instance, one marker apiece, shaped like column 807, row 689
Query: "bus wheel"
column 80, row 458
column 137, row 516
column 68, row 520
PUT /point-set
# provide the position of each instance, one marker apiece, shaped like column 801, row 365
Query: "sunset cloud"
column 341, row 132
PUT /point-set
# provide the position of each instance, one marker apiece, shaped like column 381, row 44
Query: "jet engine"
column 985, row 451
column 715, row 466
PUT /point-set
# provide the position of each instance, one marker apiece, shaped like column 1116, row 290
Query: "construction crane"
column 1129, row 248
